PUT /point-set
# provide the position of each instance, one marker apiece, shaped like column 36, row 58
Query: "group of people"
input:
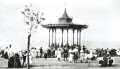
column 15, row 59
column 101, row 52
column 67, row 54
column 71, row 54
column 106, row 61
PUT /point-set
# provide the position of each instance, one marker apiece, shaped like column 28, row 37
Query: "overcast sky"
column 101, row 16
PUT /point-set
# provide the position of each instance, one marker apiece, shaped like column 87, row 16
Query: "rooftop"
column 65, row 22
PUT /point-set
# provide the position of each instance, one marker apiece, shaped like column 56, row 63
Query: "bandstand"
column 65, row 24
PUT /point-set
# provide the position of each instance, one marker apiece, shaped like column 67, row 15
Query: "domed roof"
column 65, row 18
column 65, row 22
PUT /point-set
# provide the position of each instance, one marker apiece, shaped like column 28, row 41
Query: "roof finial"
column 65, row 18
column 65, row 15
column 65, row 11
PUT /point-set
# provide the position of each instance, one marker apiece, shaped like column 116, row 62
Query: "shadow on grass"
column 47, row 65
column 114, row 65
column 3, row 67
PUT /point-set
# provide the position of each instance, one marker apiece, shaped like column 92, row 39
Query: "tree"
column 32, row 18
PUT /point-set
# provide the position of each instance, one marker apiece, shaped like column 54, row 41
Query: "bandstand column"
column 52, row 36
column 62, row 37
column 49, row 37
column 73, row 36
column 77, row 37
column 80, row 37
column 67, row 37
column 55, row 37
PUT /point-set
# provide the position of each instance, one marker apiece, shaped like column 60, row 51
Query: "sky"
column 101, row 16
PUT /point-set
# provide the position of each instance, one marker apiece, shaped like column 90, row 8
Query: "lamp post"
column 32, row 19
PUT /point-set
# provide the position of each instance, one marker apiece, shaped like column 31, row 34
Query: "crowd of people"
column 72, row 54
column 101, row 52
column 69, row 54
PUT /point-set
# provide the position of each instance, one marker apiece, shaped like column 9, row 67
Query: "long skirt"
column 71, row 58
column 17, row 63
column 30, row 60
column 11, row 62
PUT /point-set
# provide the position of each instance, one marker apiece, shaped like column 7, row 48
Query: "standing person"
column 37, row 54
column 75, row 53
column 56, row 53
column 59, row 54
column 71, row 54
column 75, row 57
column 6, row 56
column 24, row 55
column 48, row 53
column 45, row 55
column 11, row 62
column 10, row 51
column 2, row 53
column 30, row 58
column 10, row 56
column 53, row 52
column 41, row 52
column 65, row 54
column 17, row 63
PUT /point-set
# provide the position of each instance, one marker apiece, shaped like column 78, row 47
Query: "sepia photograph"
column 59, row 34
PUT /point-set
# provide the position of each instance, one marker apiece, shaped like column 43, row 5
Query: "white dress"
column 10, row 52
column 58, row 54
column 70, row 55
column 30, row 59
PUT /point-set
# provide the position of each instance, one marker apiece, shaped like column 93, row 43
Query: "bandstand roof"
column 65, row 26
column 65, row 22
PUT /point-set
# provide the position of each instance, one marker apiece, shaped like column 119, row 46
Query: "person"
column 71, row 55
column 75, row 54
column 11, row 62
column 45, row 55
column 75, row 57
column 41, row 52
column 110, row 61
column 56, row 53
column 30, row 58
column 37, row 54
column 17, row 63
column 6, row 55
column 24, row 55
column 65, row 54
column 59, row 54
column 104, row 62
column 10, row 51
column 48, row 53
column 53, row 52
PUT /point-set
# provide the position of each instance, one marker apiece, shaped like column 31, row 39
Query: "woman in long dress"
column 71, row 55
column 75, row 57
column 30, row 58
column 59, row 54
